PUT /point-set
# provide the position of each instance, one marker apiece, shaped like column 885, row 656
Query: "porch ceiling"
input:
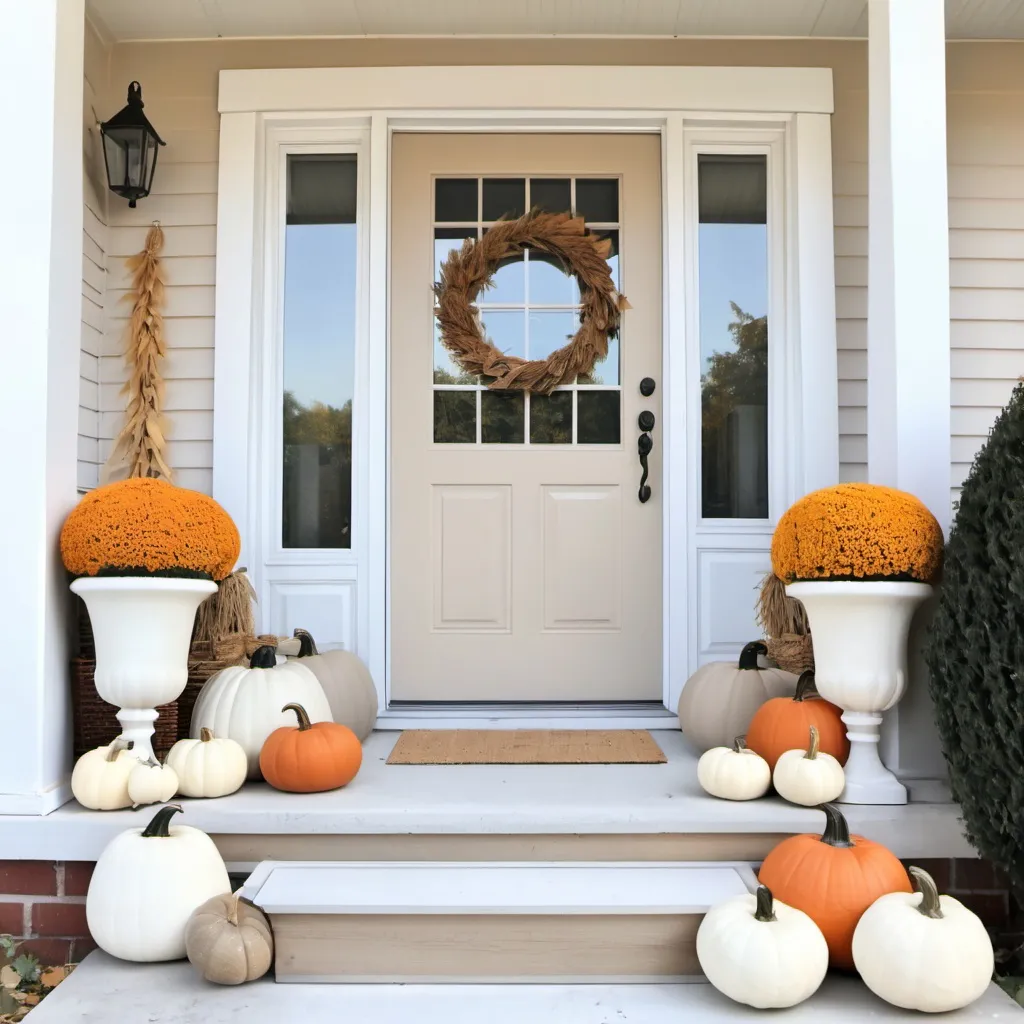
column 128, row 20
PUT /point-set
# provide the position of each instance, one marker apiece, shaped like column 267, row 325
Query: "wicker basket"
column 792, row 652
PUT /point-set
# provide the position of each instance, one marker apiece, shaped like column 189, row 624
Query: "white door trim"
column 794, row 101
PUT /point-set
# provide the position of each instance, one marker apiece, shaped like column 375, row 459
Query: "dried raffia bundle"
column 784, row 621
column 140, row 448
column 229, row 611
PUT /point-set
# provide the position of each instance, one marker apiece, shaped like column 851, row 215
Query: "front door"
column 524, row 567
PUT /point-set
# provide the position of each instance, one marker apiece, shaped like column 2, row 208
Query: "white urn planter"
column 860, row 633
column 142, row 626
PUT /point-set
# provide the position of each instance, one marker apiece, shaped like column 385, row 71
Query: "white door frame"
column 684, row 105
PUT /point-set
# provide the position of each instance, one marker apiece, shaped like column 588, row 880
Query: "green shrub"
column 975, row 648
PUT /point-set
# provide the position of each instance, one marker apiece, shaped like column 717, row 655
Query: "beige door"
column 524, row 567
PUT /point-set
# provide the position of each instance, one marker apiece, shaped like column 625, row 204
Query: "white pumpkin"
column 761, row 952
column 720, row 698
column 922, row 951
column 347, row 683
column 152, row 783
column 733, row 773
column 99, row 780
column 145, row 886
column 208, row 766
column 245, row 704
column 809, row 777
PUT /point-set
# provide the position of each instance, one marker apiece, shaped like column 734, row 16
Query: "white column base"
column 868, row 781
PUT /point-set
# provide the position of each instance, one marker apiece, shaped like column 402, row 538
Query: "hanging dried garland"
column 140, row 449
column 470, row 270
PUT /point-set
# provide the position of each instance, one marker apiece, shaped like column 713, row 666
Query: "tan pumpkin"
column 719, row 699
column 229, row 941
column 347, row 682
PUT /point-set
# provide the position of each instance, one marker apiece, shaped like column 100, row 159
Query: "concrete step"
column 104, row 989
column 430, row 922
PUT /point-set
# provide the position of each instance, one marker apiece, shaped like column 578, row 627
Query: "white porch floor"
column 494, row 799
column 104, row 989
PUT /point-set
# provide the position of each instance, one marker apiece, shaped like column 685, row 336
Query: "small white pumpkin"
column 208, row 766
column 99, row 780
column 245, row 704
column 808, row 777
column 761, row 952
column 720, row 698
column 146, row 884
column 229, row 941
column 922, row 951
column 733, row 773
column 152, row 783
column 347, row 683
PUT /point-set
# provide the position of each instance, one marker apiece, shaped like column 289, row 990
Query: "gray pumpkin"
column 720, row 698
column 229, row 941
column 347, row 683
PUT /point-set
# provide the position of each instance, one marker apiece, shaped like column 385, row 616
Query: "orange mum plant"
column 148, row 527
column 857, row 532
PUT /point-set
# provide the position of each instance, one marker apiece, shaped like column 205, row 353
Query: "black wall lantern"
column 130, row 146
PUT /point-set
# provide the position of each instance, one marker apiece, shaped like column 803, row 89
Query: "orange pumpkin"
column 833, row 878
column 783, row 723
column 310, row 758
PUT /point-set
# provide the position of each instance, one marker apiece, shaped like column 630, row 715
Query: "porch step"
column 105, row 989
column 431, row 922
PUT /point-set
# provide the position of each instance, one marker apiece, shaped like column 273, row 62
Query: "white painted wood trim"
column 764, row 90
column 235, row 400
column 496, row 887
column 41, row 100
column 812, row 304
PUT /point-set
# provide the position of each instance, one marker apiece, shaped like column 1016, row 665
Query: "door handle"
column 645, row 421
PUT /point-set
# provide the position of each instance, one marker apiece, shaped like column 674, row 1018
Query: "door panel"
column 523, row 565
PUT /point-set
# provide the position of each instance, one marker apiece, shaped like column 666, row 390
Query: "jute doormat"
column 526, row 746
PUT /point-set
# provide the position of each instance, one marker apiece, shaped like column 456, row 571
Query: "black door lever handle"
column 645, row 421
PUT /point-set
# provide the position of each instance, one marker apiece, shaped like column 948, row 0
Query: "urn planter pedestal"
column 142, row 628
column 860, row 632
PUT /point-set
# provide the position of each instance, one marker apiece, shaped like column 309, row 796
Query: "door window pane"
column 319, row 350
column 455, row 417
column 597, row 200
column 599, row 418
column 551, row 418
column 553, row 195
column 502, row 417
column 504, row 197
column 733, row 296
column 455, row 200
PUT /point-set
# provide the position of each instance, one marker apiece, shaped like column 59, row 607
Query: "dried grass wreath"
column 470, row 270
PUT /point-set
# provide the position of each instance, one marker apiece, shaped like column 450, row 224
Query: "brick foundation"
column 42, row 904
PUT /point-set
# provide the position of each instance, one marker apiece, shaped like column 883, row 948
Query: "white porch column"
column 908, row 299
column 41, row 84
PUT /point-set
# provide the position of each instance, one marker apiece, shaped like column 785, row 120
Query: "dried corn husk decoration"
column 140, row 448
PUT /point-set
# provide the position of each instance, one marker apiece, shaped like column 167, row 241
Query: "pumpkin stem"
column 233, row 910
column 300, row 711
column 157, row 828
column 805, row 688
column 115, row 748
column 812, row 749
column 748, row 656
column 765, row 904
column 263, row 657
column 837, row 830
column 205, row 735
column 307, row 645
column 925, row 885
column 739, row 744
